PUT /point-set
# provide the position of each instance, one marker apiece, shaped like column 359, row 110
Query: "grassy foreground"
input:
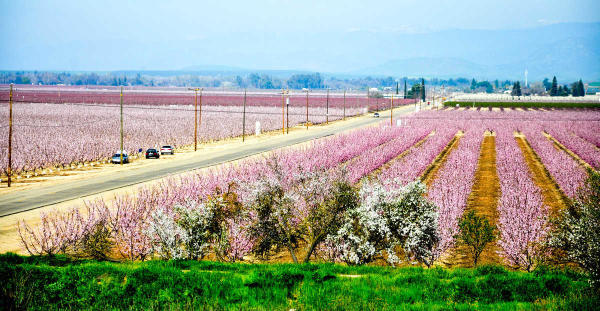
column 519, row 104
column 43, row 283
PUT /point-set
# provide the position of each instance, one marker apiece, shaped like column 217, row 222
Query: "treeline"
column 295, row 81
column 252, row 80
column 577, row 89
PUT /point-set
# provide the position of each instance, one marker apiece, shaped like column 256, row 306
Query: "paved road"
column 25, row 200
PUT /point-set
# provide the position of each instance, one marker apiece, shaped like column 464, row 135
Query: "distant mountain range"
column 570, row 59
column 570, row 51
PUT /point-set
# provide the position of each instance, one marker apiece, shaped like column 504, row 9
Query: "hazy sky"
column 55, row 25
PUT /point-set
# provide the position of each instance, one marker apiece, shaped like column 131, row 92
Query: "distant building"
column 593, row 88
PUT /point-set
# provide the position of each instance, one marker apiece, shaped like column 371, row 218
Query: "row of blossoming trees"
column 57, row 135
column 352, row 198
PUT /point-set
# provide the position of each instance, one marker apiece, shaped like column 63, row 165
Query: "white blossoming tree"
column 390, row 220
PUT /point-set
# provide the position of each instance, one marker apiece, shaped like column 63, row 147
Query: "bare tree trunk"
column 291, row 249
column 311, row 249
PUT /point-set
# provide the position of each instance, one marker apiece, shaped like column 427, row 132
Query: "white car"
column 166, row 149
column 116, row 158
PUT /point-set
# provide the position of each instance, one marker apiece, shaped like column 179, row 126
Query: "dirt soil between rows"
column 562, row 147
column 551, row 193
column 483, row 200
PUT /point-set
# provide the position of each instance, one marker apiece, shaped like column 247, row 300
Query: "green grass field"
column 46, row 283
column 519, row 104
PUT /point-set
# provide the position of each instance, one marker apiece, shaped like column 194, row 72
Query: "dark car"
column 376, row 115
column 152, row 153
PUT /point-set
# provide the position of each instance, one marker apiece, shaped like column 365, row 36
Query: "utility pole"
column 307, row 109
column 368, row 99
column 327, row 109
column 282, row 111
column 287, row 106
column 344, row 105
column 423, row 94
column 405, row 89
column 121, row 152
column 392, row 111
column 10, row 96
column 244, row 119
column 442, row 99
column 200, row 111
column 195, row 117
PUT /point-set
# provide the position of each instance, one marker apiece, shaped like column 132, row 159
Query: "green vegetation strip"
column 519, row 104
column 50, row 283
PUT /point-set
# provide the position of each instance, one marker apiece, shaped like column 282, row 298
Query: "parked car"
column 116, row 158
column 152, row 153
column 376, row 115
column 166, row 149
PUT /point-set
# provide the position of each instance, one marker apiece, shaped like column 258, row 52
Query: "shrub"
column 475, row 232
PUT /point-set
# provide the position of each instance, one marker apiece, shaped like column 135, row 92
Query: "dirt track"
column 553, row 197
column 484, row 201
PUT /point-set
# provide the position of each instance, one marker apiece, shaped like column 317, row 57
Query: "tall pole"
column 195, row 119
column 307, row 109
column 10, row 96
column 121, row 152
column 327, row 109
column 287, row 109
column 196, row 115
column 392, row 111
column 344, row 105
column 200, row 111
column 423, row 94
column 244, row 119
column 282, row 111
column 442, row 99
column 368, row 99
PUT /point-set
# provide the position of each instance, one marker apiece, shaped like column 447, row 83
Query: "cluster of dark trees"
column 554, row 89
column 309, row 81
column 482, row 85
column 516, row 90
column 416, row 91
